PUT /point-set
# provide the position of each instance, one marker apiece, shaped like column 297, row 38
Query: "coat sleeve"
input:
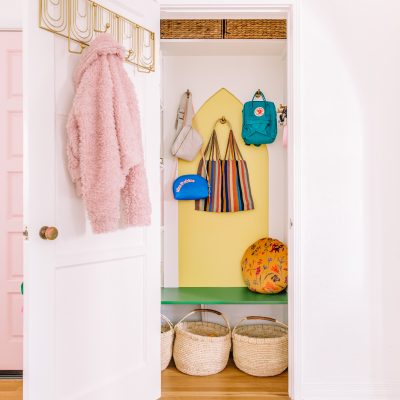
column 136, row 205
column 135, row 198
column 127, row 118
column 93, row 151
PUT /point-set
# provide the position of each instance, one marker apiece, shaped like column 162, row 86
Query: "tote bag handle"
column 232, row 149
column 212, row 151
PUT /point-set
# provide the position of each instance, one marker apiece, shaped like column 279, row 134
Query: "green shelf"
column 219, row 295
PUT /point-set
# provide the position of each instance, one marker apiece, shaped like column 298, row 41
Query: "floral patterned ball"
column 265, row 266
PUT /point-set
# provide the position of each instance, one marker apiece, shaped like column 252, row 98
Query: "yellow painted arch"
column 211, row 245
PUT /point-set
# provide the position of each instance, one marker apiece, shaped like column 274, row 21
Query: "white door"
column 92, row 302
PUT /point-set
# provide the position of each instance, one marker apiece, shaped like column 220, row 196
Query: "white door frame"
column 290, row 9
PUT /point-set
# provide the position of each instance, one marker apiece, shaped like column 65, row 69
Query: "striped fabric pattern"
column 229, row 179
column 213, row 202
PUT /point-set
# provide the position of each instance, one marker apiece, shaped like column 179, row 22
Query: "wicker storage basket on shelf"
column 191, row 29
column 255, row 29
column 167, row 341
column 261, row 350
column 201, row 348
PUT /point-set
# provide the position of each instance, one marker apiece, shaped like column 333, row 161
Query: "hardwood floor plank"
column 177, row 386
column 229, row 383
column 10, row 389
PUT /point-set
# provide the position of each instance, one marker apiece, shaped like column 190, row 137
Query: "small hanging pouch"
column 191, row 187
column 259, row 121
column 188, row 141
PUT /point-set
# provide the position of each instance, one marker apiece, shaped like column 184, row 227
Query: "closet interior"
column 202, row 251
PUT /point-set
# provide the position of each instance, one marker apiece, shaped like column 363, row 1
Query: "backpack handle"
column 258, row 94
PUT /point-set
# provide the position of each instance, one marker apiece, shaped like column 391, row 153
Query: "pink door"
column 10, row 200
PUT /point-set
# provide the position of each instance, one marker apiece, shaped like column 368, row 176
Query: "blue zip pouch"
column 190, row 187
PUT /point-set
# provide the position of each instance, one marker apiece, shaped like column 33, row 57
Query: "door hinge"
column 25, row 233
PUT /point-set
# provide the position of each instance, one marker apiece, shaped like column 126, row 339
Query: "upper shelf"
column 223, row 47
column 219, row 295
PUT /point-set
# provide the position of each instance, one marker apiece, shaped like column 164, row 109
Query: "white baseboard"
column 356, row 391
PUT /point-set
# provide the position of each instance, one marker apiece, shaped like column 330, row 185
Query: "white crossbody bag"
column 188, row 141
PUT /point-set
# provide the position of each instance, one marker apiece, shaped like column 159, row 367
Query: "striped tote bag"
column 213, row 168
column 228, row 178
column 236, row 190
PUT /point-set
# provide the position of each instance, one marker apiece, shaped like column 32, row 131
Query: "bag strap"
column 259, row 93
column 204, row 166
column 189, row 112
column 232, row 148
column 180, row 115
column 212, row 147
column 185, row 112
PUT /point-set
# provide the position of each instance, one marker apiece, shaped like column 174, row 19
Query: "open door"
column 92, row 302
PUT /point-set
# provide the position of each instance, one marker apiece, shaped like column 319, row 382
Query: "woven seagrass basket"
column 167, row 341
column 191, row 29
column 262, row 349
column 223, row 29
column 255, row 29
column 201, row 348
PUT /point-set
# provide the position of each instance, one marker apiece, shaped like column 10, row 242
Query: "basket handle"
column 258, row 317
column 206, row 310
column 168, row 321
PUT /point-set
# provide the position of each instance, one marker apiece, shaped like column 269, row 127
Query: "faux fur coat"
column 104, row 144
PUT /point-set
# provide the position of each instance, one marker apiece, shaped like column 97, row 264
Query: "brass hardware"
column 48, row 232
column 258, row 93
column 80, row 21
column 130, row 54
column 223, row 121
column 25, row 233
column 105, row 30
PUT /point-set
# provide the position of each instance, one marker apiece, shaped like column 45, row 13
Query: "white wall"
column 350, row 199
column 11, row 14
column 204, row 75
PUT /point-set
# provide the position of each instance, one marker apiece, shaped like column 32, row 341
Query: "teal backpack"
column 259, row 121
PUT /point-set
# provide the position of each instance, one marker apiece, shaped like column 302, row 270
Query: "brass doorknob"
column 48, row 232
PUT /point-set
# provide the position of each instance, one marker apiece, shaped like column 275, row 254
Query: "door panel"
column 10, row 200
column 97, row 297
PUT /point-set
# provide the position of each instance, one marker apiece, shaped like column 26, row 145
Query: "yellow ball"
column 265, row 266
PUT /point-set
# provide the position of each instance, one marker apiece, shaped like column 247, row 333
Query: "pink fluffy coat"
column 104, row 145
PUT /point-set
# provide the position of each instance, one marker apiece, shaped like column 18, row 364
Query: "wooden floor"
column 231, row 382
column 177, row 386
column 10, row 389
